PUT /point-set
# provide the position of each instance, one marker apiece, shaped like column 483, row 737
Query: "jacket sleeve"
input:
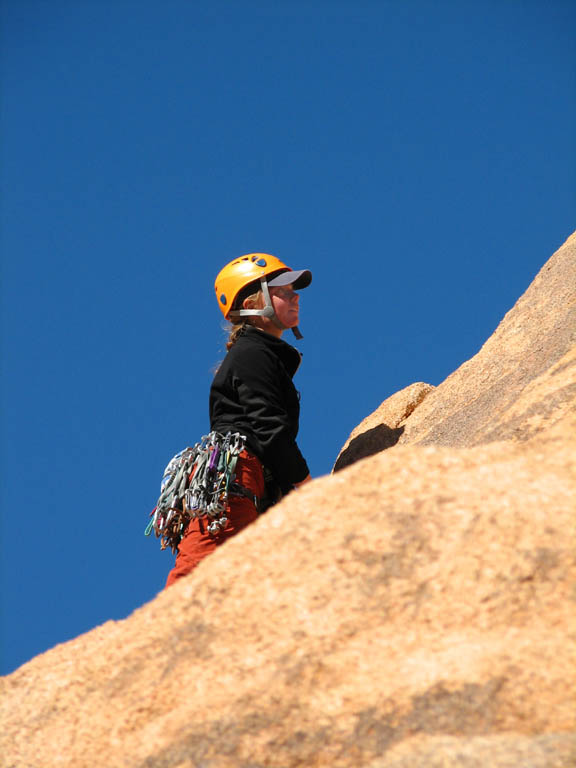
column 263, row 386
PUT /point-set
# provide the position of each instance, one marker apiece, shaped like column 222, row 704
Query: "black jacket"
column 253, row 393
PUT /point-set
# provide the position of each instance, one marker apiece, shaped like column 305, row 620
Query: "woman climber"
column 253, row 406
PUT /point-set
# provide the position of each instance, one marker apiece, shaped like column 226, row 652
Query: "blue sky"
column 419, row 157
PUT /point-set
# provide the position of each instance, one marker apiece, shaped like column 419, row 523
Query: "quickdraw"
column 196, row 484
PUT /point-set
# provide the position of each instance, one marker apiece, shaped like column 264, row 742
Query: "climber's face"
column 285, row 301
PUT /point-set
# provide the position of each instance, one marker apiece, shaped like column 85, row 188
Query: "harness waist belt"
column 239, row 490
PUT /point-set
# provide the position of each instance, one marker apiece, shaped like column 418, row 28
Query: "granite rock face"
column 521, row 381
column 524, row 377
column 416, row 608
column 383, row 428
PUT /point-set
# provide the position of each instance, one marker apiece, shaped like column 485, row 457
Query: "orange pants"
column 197, row 543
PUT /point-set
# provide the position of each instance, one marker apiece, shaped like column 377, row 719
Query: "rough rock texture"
column 522, row 380
column 524, row 377
column 383, row 428
column 417, row 608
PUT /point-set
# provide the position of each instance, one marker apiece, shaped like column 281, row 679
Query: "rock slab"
column 522, row 381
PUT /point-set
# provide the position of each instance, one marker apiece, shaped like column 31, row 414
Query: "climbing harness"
column 196, row 484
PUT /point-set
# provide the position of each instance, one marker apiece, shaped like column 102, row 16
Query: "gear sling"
column 196, row 484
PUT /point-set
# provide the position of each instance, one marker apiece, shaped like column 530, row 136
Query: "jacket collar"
column 289, row 355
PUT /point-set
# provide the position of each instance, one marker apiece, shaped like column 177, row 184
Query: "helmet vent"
column 223, row 299
column 259, row 262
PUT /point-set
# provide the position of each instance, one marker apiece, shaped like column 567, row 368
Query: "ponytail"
column 237, row 328
column 235, row 332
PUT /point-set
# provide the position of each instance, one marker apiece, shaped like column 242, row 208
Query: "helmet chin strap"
column 296, row 332
column 266, row 311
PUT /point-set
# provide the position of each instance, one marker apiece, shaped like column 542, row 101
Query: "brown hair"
column 236, row 328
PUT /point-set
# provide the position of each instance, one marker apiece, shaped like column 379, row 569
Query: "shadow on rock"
column 367, row 444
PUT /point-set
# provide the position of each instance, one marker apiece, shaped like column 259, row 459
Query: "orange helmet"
column 240, row 273
column 254, row 271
